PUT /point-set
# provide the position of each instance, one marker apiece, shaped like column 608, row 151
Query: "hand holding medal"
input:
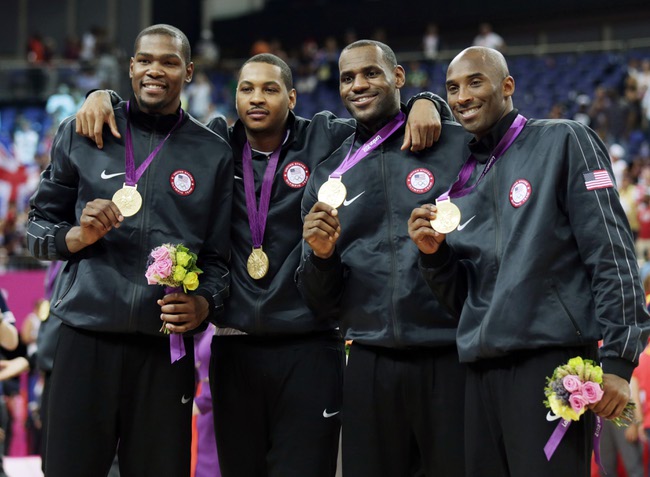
column 447, row 217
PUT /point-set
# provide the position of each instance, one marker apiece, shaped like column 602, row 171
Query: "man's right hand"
column 322, row 229
column 97, row 219
column 96, row 111
column 421, row 232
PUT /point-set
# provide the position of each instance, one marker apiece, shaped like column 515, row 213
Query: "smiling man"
column 113, row 381
column 540, row 270
column 403, row 387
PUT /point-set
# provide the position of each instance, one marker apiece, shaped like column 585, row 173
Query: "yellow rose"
column 183, row 259
column 179, row 273
column 576, row 362
column 191, row 281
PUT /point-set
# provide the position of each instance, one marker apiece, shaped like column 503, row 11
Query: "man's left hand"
column 615, row 398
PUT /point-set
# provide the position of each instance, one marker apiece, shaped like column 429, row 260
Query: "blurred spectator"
column 206, row 51
column 619, row 166
column 306, row 78
column 431, row 42
column 417, row 76
column 89, row 41
column 199, row 96
column 35, row 48
column 327, row 61
column 72, row 48
column 643, row 214
column 260, row 46
column 25, row 142
column 108, row 66
column 599, row 112
column 643, row 77
column 628, row 195
column 557, row 111
column 582, row 113
column 488, row 38
column 87, row 78
column 61, row 104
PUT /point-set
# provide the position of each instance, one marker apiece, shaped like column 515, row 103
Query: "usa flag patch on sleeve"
column 599, row 179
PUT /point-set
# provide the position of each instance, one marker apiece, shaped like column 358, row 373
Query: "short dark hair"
column 285, row 71
column 163, row 29
column 388, row 53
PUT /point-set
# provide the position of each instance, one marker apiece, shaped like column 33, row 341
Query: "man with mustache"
column 277, row 367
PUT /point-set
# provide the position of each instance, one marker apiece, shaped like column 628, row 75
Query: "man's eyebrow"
column 470, row 76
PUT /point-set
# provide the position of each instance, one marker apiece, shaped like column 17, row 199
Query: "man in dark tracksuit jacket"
column 403, row 389
column 541, row 267
column 113, row 380
column 276, row 367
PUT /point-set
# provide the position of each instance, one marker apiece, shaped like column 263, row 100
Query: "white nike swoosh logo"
column 348, row 202
column 330, row 414
column 462, row 226
column 550, row 417
column 109, row 176
column 238, row 178
column 185, row 400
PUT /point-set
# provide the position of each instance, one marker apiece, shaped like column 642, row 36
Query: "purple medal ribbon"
column 457, row 190
column 257, row 217
column 384, row 133
column 560, row 430
column 133, row 175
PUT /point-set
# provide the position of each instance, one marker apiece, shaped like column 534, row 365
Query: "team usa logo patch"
column 420, row 181
column 520, row 192
column 296, row 175
column 182, row 182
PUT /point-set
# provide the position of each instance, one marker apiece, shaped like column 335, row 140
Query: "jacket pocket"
column 72, row 275
column 556, row 292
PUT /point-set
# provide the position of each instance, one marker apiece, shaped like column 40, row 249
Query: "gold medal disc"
column 332, row 192
column 128, row 200
column 257, row 264
column 447, row 217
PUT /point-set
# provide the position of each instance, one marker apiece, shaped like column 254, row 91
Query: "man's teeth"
column 468, row 112
column 363, row 100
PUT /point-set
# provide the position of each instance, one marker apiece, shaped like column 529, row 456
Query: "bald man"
column 540, row 269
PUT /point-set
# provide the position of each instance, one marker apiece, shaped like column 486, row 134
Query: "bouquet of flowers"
column 574, row 386
column 174, row 267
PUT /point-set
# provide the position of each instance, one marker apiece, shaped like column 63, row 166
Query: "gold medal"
column 128, row 200
column 257, row 264
column 332, row 192
column 447, row 217
column 43, row 310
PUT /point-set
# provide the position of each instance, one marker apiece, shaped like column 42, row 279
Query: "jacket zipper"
column 556, row 292
column 393, row 254
column 141, row 216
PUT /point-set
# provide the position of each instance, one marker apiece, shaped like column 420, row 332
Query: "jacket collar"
column 482, row 149
column 161, row 123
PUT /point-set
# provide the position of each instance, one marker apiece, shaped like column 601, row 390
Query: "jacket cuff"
column 325, row 264
column 618, row 366
column 213, row 308
column 438, row 259
column 441, row 105
column 59, row 242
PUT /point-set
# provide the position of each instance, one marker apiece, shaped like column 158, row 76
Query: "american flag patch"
column 599, row 179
